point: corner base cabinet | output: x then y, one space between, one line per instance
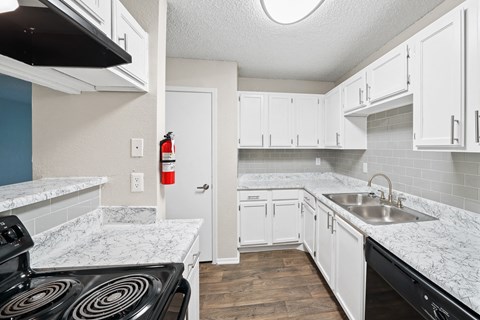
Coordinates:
268 217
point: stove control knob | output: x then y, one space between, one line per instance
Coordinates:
10 235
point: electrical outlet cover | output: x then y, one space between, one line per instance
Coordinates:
136 182
318 161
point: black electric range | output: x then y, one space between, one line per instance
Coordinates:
127 292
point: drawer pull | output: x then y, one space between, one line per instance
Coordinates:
196 257
253 197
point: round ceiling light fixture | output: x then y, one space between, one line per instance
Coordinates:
8 5
289 11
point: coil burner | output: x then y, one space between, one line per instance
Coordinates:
38 299
114 299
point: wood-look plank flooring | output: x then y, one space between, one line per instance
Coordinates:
272 285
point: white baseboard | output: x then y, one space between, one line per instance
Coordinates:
235 260
273 248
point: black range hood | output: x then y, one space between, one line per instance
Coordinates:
49 33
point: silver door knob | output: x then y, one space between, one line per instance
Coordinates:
204 187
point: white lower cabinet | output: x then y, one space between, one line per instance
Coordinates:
309 228
254 223
350 266
192 274
324 257
340 258
285 222
268 217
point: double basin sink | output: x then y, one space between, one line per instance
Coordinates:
373 210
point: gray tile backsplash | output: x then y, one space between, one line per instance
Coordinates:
47 214
450 178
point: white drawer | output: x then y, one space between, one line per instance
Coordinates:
255 195
285 194
192 258
309 199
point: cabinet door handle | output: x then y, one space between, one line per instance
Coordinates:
274 206
333 225
125 41
368 88
265 210
328 220
360 95
196 257
452 130
298 139
270 140
477 132
262 139
337 137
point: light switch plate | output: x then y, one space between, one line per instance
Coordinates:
136 148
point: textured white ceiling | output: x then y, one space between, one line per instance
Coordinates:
333 40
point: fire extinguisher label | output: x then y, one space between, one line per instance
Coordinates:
168 156
168 167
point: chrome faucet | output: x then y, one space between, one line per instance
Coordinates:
390 195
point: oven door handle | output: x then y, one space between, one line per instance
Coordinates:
184 288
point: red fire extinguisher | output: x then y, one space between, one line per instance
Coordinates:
167 159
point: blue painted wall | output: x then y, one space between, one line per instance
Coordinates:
15 130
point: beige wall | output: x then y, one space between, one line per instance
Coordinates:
89 134
222 76
279 85
433 15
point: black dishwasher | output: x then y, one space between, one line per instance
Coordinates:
395 291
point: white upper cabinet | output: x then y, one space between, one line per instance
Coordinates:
280 120
383 85
280 115
472 137
333 119
307 116
97 12
439 98
251 120
342 132
354 92
388 76
129 35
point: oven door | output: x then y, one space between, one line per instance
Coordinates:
178 306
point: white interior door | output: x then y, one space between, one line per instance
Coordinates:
189 116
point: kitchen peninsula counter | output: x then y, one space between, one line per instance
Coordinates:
115 236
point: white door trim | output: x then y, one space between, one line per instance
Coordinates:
213 92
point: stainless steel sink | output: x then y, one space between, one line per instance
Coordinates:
387 214
354 199
375 211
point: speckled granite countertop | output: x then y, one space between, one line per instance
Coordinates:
22 194
115 236
446 251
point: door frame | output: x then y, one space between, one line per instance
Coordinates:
213 92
